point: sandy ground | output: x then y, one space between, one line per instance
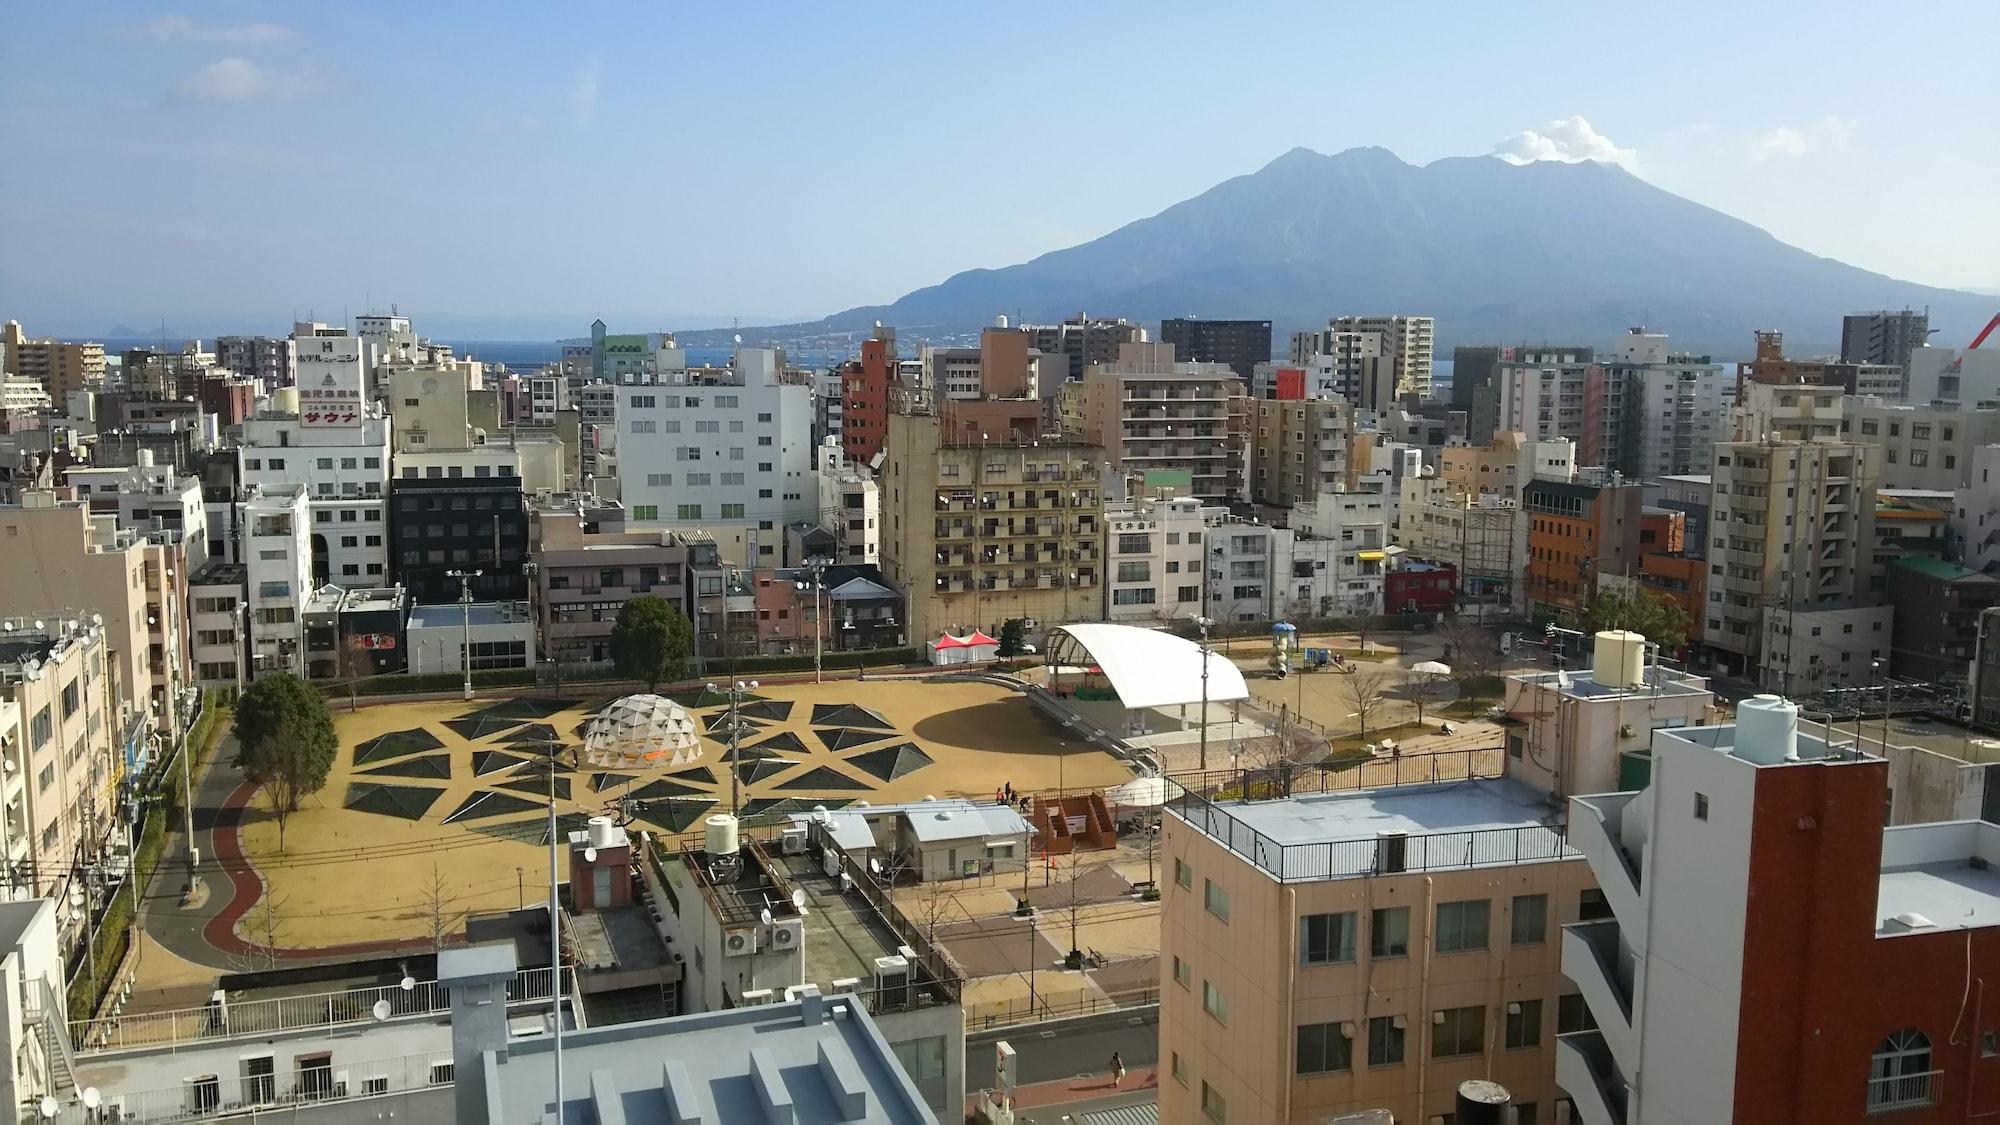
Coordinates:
348 875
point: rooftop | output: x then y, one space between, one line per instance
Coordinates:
451 615
215 572
1475 823
1654 683
1939 569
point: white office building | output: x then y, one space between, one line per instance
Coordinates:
1338 555
149 498
853 503
725 451
1153 558
1542 392
344 469
277 560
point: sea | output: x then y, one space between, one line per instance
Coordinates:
527 355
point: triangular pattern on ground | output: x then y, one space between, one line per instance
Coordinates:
406 802
824 778
847 738
776 710
486 803
673 814
891 762
848 715
493 761
538 784
396 744
433 767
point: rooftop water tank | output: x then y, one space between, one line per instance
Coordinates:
1767 730
1618 659
603 833
719 835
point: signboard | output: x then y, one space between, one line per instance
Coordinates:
329 401
385 641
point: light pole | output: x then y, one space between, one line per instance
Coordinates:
736 691
1203 623
818 586
465 578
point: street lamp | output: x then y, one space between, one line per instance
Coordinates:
1203 624
465 578
736 691
818 587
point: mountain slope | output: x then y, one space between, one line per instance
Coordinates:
1496 252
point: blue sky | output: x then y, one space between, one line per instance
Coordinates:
234 162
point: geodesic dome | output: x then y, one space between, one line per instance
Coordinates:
642 731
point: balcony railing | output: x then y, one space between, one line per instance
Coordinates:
282 1093
1903 1091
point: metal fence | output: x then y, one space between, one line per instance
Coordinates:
173 1029
1014 1011
1299 780
202 1097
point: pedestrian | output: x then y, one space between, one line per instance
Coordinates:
1117 1070
999 795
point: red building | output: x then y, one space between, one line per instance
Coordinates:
230 399
1768 953
1417 586
864 397
1291 384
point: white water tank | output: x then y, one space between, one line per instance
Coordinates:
1618 659
603 833
719 835
1767 730
285 400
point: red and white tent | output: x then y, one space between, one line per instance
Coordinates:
948 649
980 647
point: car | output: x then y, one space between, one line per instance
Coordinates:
1028 650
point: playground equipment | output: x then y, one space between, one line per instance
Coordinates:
1284 646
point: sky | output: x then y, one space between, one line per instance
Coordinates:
671 166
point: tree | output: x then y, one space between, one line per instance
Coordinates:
1426 688
651 641
1656 617
266 922
1012 632
1474 654
437 909
284 742
1368 690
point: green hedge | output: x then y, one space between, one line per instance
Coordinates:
406 683
803 662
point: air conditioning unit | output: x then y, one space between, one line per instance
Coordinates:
830 862
1391 851
892 983
758 997
794 840
788 934
739 943
800 991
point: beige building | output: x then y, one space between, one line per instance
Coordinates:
62 555
1298 449
1591 730
1501 467
977 533
1149 412
1372 949
57 734
1789 411
59 366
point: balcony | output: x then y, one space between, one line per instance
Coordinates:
1603 974
1594 829
1588 1074
1897 1092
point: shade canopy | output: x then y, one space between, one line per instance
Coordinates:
1431 668
1146 667
642 731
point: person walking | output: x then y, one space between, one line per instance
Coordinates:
1117 1070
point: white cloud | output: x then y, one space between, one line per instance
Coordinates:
1789 142
1570 141
583 95
169 29
238 80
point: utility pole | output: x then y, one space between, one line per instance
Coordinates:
465 578
1203 623
735 691
818 569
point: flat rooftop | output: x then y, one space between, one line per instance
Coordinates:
1584 685
1475 823
1952 895
450 615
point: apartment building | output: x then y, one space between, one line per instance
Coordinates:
60 725
1792 526
980 532
1475 391
1083 341
1372 949
216 625
1406 343
722 451
1650 411
345 471
1791 411
1249 566
277 561
589 563
597 424
154 500
1338 555
865 388
1542 391
130 583
1298 449
273 359
1936 630
1923 447
59 366
1356 366
1745 838
1483 537
1908 523
1883 336
1153 554
1969 375
1502 467
853 509
1834 644
1577 532
954 372
1149 411
1239 345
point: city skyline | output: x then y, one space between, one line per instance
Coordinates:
258 153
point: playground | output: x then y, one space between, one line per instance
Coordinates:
437 809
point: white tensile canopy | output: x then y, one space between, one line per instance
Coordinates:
1146 667
644 731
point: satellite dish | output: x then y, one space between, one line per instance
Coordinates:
40 624
766 916
739 337
590 855
50 1107
799 897
381 1009
409 983
92 1098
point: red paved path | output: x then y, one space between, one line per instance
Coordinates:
1063 1090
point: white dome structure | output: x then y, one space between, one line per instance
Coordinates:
644 731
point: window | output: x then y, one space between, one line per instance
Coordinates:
1461 926
923 1061
1701 806
1389 932
687 511
1183 973
1385 1041
1524 1024
644 426
260 1079
315 1078
1326 939
732 511
1572 1014
1213 1003
441 1073
645 511
1591 906
1215 899
1212 1105
1179 1068
1458 1031
1183 874
1323 1048
1531 919
1899 1076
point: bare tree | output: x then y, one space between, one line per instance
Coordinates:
436 908
1368 691
1067 902
354 662
1426 688
1474 653
267 924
